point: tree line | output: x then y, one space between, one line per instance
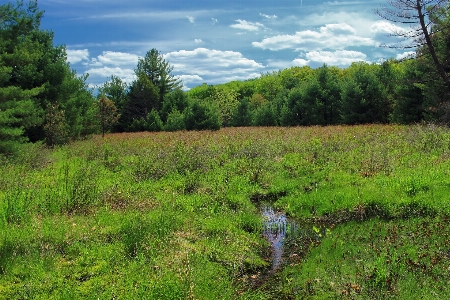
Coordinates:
43 99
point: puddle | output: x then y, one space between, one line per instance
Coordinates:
275 225
282 231
290 240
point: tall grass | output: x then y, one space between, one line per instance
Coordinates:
169 215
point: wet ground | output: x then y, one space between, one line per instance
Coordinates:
289 242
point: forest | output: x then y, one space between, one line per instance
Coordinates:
43 100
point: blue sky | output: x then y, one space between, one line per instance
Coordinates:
212 41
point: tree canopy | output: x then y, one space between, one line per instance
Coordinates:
43 99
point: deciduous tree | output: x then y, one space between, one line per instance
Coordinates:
107 114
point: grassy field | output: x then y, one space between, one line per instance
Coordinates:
175 215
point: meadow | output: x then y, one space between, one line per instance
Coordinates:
175 215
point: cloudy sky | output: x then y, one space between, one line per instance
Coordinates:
216 41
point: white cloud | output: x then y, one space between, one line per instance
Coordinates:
112 58
337 29
214 65
360 21
267 16
334 3
330 36
408 54
386 28
190 80
214 21
76 56
300 62
245 25
276 64
335 58
198 41
100 74
191 19
109 63
210 58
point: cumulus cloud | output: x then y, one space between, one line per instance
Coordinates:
214 21
198 41
100 74
335 58
300 62
213 65
191 19
245 25
386 28
112 58
76 56
407 54
190 80
109 63
330 36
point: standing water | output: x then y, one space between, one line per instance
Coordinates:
277 228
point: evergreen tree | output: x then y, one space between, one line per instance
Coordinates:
242 116
175 121
329 96
265 116
142 99
176 100
159 73
201 116
35 76
363 98
409 104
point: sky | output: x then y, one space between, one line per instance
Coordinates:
217 41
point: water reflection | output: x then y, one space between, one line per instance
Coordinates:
275 225
278 228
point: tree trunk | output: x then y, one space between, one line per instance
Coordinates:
438 65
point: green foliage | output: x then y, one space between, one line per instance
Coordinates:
268 85
363 97
154 122
175 100
106 113
55 126
200 92
158 71
172 214
294 76
143 98
150 123
242 115
227 101
34 74
116 90
409 106
265 115
201 116
175 121
18 112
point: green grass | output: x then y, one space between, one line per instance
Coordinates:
175 216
